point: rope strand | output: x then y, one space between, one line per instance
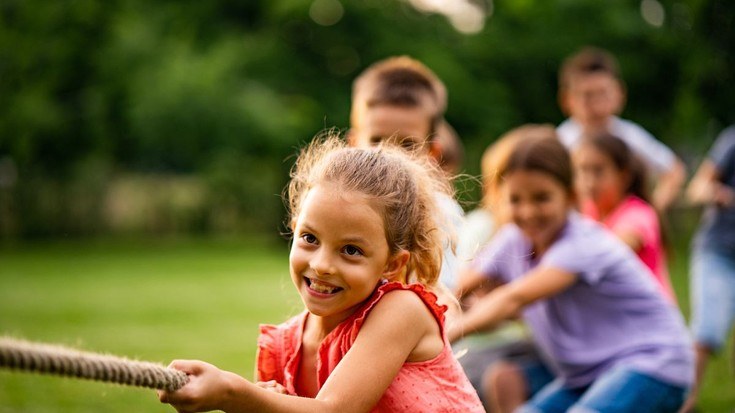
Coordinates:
52 359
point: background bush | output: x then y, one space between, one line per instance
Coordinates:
213 97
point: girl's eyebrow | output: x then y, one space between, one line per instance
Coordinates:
355 240
307 228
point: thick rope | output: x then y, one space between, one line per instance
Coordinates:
62 361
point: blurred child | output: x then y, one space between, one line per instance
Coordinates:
614 341
592 94
509 344
397 98
611 183
400 100
363 221
481 223
713 254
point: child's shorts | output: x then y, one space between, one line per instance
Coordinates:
713 296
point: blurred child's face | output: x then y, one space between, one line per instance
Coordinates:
339 252
593 98
538 205
407 126
597 178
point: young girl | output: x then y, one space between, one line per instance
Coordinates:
611 183
509 343
614 341
364 221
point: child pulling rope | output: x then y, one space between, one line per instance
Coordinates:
62 361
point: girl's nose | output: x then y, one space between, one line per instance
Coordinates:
321 262
526 211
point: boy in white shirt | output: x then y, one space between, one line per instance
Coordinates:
592 94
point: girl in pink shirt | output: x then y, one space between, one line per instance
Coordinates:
611 184
364 222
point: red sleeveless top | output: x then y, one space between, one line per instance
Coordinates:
436 385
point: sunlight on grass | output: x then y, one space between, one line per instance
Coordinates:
158 300
153 300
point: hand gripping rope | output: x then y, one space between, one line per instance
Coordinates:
62 361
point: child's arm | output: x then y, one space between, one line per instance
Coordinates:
631 238
705 187
668 186
384 343
469 280
507 300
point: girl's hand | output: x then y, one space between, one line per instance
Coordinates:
273 386
205 391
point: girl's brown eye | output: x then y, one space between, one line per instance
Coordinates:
352 250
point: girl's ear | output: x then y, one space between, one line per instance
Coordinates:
626 176
562 99
573 198
395 268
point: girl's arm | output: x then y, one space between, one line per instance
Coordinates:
669 186
469 280
507 300
632 239
384 343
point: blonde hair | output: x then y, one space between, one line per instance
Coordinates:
400 185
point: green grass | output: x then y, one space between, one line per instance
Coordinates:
151 300
163 299
718 390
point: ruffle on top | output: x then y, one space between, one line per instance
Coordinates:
278 351
436 385
429 299
279 345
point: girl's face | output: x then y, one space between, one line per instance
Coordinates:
598 179
539 205
339 252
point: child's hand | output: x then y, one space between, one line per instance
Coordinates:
273 386
205 390
724 196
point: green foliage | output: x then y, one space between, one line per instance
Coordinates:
178 87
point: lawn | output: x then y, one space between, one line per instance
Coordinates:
151 300
162 299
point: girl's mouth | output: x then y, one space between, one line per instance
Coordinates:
320 287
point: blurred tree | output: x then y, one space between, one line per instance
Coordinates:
91 91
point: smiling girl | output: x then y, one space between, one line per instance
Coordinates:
615 343
611 182
364 222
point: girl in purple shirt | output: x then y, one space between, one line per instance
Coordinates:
614 341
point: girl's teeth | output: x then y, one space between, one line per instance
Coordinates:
318 287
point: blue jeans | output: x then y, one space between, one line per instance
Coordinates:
713 296
536 375
619 390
